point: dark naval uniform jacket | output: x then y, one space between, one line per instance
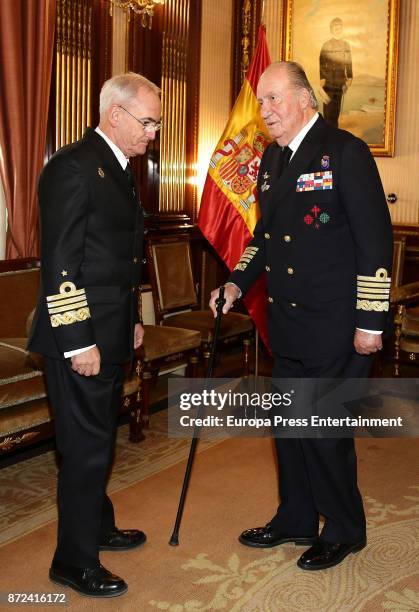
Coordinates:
92 234
325 241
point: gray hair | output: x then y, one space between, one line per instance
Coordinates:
298 79
121 88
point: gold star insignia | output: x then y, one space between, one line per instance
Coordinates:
64 273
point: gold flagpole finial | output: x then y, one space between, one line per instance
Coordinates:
262 15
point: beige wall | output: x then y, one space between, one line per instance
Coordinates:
215 80
119 40
399 174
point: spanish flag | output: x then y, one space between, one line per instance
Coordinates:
229 208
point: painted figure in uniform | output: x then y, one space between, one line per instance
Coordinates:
325 241
87 323
335 71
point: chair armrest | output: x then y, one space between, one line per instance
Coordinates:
405 293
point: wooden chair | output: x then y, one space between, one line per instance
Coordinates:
406 325
406 313
399 252
25 414
164 349
399 249
176 301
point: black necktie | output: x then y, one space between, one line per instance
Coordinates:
285 159
130 177
128 172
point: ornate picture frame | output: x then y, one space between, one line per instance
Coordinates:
349 51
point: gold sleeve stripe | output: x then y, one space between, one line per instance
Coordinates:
246 258
373 290
65 294
69 306
372 281
365 284
367 296
67 302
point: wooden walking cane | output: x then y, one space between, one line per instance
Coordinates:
174 540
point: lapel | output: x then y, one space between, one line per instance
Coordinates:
109 162
307 150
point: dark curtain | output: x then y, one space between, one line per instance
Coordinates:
26 52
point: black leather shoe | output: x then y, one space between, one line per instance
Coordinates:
266 537
327 554
96 582
122 539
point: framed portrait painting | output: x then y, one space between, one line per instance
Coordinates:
349 52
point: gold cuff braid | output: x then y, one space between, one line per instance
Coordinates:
68 306
246 258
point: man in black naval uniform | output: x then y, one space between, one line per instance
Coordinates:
86 323
335 71
325 241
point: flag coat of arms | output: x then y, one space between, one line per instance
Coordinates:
229 208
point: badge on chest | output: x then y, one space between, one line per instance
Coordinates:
315 181
316 217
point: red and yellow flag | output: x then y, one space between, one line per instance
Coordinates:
229 208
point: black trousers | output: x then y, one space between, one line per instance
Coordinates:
319 475
332 110
85 411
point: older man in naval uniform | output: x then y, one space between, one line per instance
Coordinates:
87 322
325 241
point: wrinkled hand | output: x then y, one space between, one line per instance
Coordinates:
231 293
366 343
138 335
87 363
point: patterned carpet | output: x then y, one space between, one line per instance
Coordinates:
27 489
385 577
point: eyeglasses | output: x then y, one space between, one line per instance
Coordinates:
148 125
